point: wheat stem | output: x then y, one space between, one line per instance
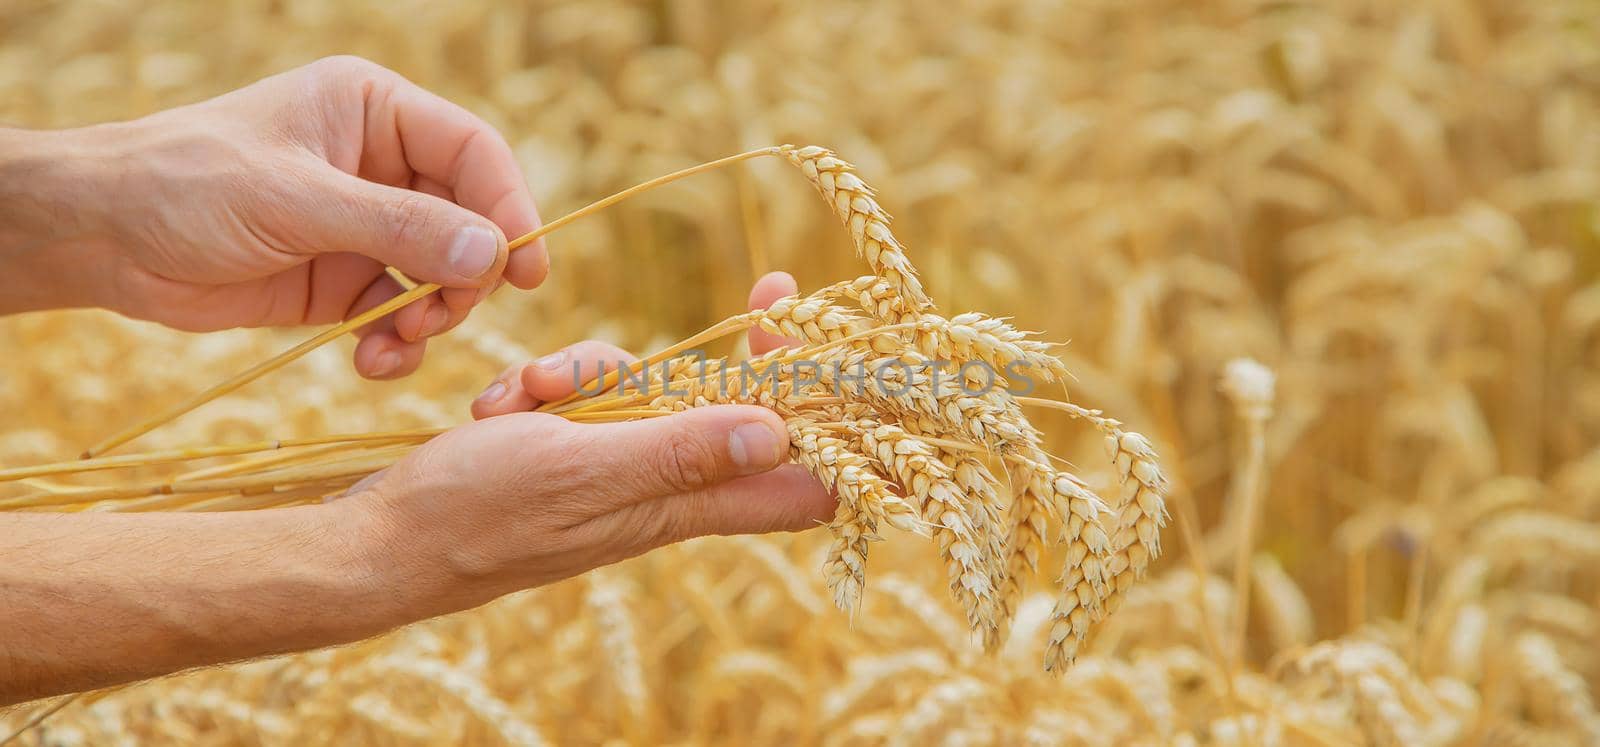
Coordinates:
145 459
385 308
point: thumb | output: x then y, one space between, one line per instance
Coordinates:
426 237
681 453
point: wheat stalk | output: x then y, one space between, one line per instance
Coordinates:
1250 385
908 448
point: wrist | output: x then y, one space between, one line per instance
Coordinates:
415 570
51 245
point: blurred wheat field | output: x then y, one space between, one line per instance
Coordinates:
1394 206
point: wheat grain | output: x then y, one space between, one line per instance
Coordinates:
851 475
966 554
1088 570
852 200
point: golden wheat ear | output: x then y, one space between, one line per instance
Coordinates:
900 452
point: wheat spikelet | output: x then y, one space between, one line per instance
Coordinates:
771 559
1386 700
1288 615
972 336
944 508
1142 513
758 666
851 475
903 385
1024 540
386 717
813 320
845 568
852 200
871 293
1529 536
1086 573
982 489
1554 691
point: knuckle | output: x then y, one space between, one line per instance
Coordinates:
687 462
407 220
342 66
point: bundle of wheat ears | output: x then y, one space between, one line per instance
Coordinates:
867 415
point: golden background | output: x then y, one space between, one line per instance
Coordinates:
1394 205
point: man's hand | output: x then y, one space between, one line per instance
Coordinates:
493 507
526 499
513 501
527 385
276 204
538 498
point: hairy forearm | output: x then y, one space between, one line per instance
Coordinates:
51 183
92 600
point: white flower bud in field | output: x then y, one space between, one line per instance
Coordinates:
1251 387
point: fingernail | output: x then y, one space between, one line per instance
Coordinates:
753 447
386 363
434 319
473 251
493 394
552 362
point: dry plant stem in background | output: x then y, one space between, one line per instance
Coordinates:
1250 386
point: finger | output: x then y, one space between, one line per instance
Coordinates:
504 395
420 319
456 150
771 287
382 353
625 463
787 499
425 237
423 318
445 310
559 374
422 183
332 282
527 385
459 302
